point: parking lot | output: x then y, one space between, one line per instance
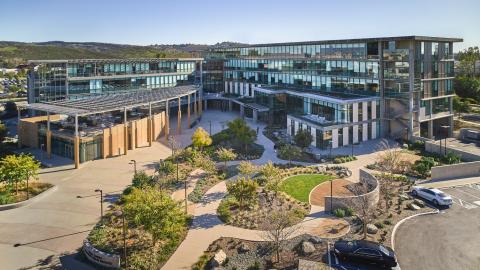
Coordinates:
448 240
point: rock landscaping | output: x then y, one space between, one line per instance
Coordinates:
243 254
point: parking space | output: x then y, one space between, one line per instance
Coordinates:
449 240
464 197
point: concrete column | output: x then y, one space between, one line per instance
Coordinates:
199 105
374 130
133 128
289 126
242 111
355 134
49 137
355 112
236 88
364 132
125 132
226 87
374 109
195 104
76 145
230 105
335 138
188 111
313 131
167 121
179 117
295 127
255 116
430 129
242 93
451 123
205 104
345 136
364 111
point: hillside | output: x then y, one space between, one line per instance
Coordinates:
15 53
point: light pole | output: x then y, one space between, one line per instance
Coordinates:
120 213
210 122
330 145
134 162
101 203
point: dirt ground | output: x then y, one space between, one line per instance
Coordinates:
323 190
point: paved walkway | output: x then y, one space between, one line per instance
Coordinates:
207 227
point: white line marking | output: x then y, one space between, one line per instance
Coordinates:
464 192
477 202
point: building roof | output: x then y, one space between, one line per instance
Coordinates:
112 102
355 40
113 60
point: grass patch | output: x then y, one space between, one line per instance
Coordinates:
299 186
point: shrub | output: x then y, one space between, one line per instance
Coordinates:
141 180
6 198
387 222
349 211
223 209
423 166
343 159
339 213
451 158
244 190
379 225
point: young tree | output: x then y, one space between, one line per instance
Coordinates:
388 157
225 154
303 138
242 133
289 152
15 169
280 229
244 190
156 212
363 207
272 176
247 168
386 181
201 138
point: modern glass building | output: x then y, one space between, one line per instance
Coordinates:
342 91
51 80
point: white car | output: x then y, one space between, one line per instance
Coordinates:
434 195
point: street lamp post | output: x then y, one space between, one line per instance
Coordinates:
330 144
101 203
134 162
124 229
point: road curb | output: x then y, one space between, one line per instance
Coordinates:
29 201
392 240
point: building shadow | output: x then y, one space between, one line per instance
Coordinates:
205 221
211 197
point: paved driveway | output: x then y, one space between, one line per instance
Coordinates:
449 240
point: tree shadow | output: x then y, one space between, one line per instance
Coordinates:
205 221
211 197
112 197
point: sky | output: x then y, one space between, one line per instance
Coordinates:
145 22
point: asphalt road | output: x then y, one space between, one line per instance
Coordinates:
449 240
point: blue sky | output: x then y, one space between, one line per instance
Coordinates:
146 22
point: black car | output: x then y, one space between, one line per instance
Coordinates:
365 251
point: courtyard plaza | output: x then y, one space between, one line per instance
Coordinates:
50 231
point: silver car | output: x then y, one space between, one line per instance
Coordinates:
436 196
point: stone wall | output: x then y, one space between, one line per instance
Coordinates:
372 197
455 171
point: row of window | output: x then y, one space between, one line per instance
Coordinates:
86 70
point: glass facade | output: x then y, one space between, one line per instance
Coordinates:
72 79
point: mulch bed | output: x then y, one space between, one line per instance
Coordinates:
340 188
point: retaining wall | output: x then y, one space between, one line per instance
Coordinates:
435 148
372 197
454 171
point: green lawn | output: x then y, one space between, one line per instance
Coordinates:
299 186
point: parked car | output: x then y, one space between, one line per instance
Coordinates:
433 195
366 252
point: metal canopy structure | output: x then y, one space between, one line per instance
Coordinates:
113 102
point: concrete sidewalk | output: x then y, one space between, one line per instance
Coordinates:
452 182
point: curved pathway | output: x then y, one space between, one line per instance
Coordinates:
207 227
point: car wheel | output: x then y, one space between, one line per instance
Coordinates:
435 202
414 193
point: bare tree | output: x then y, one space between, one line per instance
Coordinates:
280 227
387 185
388 157
364 208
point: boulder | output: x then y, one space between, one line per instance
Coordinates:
243 248
404 197
218 259
316 240
419 202
413 207
372 229
307 248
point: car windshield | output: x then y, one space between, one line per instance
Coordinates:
384 250
443 195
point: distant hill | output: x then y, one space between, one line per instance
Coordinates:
14 53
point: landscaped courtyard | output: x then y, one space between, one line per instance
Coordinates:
300 186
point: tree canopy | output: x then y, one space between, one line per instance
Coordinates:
201 138
242 133
303 138
16 169
225 154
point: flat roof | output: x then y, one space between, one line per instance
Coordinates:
355 40
113 60
112 102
